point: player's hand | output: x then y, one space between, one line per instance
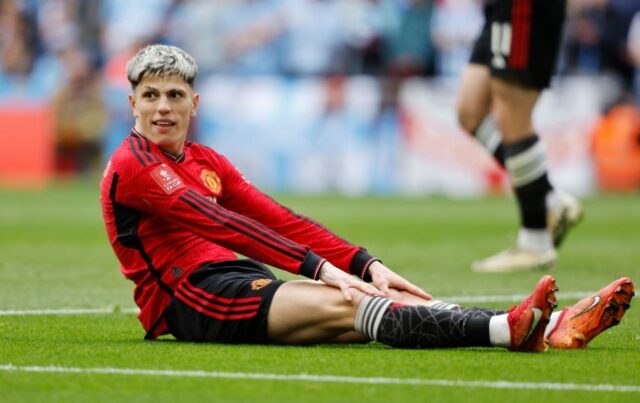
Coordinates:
335 277
384 278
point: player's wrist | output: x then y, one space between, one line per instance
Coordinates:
311 265
374 267
360 264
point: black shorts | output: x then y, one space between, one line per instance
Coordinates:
224 302
520 40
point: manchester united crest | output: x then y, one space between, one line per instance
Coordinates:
211 181
260 283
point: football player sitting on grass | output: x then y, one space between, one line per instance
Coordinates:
176 212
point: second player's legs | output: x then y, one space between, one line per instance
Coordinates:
474 98
525 158
513 108
474 109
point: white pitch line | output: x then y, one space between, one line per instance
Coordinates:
327 378
66 311
464 299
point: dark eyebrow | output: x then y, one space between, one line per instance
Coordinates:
176 89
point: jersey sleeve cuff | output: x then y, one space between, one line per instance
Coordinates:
310 266
360 264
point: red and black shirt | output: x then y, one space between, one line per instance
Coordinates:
166 217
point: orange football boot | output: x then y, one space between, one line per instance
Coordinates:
590 316
528 321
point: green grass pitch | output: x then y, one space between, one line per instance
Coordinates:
54 255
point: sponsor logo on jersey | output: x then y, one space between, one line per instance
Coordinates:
166 178
212 181
260 283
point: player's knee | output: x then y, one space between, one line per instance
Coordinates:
334 317
470 115
469 118
356 296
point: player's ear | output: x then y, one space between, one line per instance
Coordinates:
194 104
132 102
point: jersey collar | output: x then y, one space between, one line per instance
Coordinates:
172 157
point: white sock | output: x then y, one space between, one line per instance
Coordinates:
534 240
369 315
552 323
488 134
553 200
499 333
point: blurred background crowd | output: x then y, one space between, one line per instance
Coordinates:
358 84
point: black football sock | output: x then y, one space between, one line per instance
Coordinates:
482 312
526 163
419 326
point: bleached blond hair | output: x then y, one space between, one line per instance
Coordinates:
161 60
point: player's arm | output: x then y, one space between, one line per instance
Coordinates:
252 239
245 198
241 196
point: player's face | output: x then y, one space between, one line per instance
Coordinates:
163 107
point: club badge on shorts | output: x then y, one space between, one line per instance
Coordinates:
260 283
212 181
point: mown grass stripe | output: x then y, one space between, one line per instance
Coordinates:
326 378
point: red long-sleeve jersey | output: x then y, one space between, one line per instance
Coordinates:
166 217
